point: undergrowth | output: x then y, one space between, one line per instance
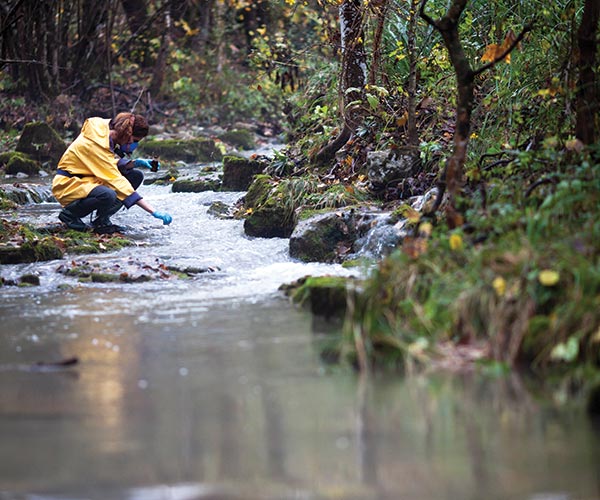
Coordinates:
521 279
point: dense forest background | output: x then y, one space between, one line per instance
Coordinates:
499 101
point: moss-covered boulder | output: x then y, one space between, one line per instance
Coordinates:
40 141
48 248
14 163
197 150
239 138
323 237
270 214
322 295
239 172
196 186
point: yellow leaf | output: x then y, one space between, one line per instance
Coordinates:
249 211
456 241
548 277
499 285
403 120
491 51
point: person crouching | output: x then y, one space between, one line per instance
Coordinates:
91 177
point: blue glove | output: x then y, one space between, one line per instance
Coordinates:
165 217
153 165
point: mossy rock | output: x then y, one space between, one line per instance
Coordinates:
31 251
20 163
190 151
220 210
239 138
196 186
320 238
239 172
258 191
269 215
40 141
322 295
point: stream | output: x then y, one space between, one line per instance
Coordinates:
212 388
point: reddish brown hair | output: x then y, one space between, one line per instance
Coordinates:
128 125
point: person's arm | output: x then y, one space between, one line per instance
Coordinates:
165 217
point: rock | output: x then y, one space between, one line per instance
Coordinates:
387 167
196 186
197 150
30 279
31 251
239 138
323 237
323 295
220 210
239 172
20 163
268 214
40 141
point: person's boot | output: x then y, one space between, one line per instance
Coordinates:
71 220
102 224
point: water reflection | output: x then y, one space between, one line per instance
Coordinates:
213 388
215 409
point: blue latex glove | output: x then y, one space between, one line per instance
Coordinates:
165 217
153 165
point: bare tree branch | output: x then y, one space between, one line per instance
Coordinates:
426 17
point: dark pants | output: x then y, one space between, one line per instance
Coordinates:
104 199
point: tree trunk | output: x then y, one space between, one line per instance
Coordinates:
380 8
587 92
448 28
136 13
352 79
413 17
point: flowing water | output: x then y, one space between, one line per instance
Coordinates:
212 388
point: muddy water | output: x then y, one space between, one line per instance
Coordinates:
213 388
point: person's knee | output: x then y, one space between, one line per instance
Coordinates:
105 197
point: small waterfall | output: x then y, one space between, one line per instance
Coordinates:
24 194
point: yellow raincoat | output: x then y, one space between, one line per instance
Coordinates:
89 162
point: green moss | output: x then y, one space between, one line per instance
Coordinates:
190 151
20 163
196 186
239 172
323 295
258 191
32 249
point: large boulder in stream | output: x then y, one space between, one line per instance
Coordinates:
268 212
324 237
239 172
198 150
41 142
